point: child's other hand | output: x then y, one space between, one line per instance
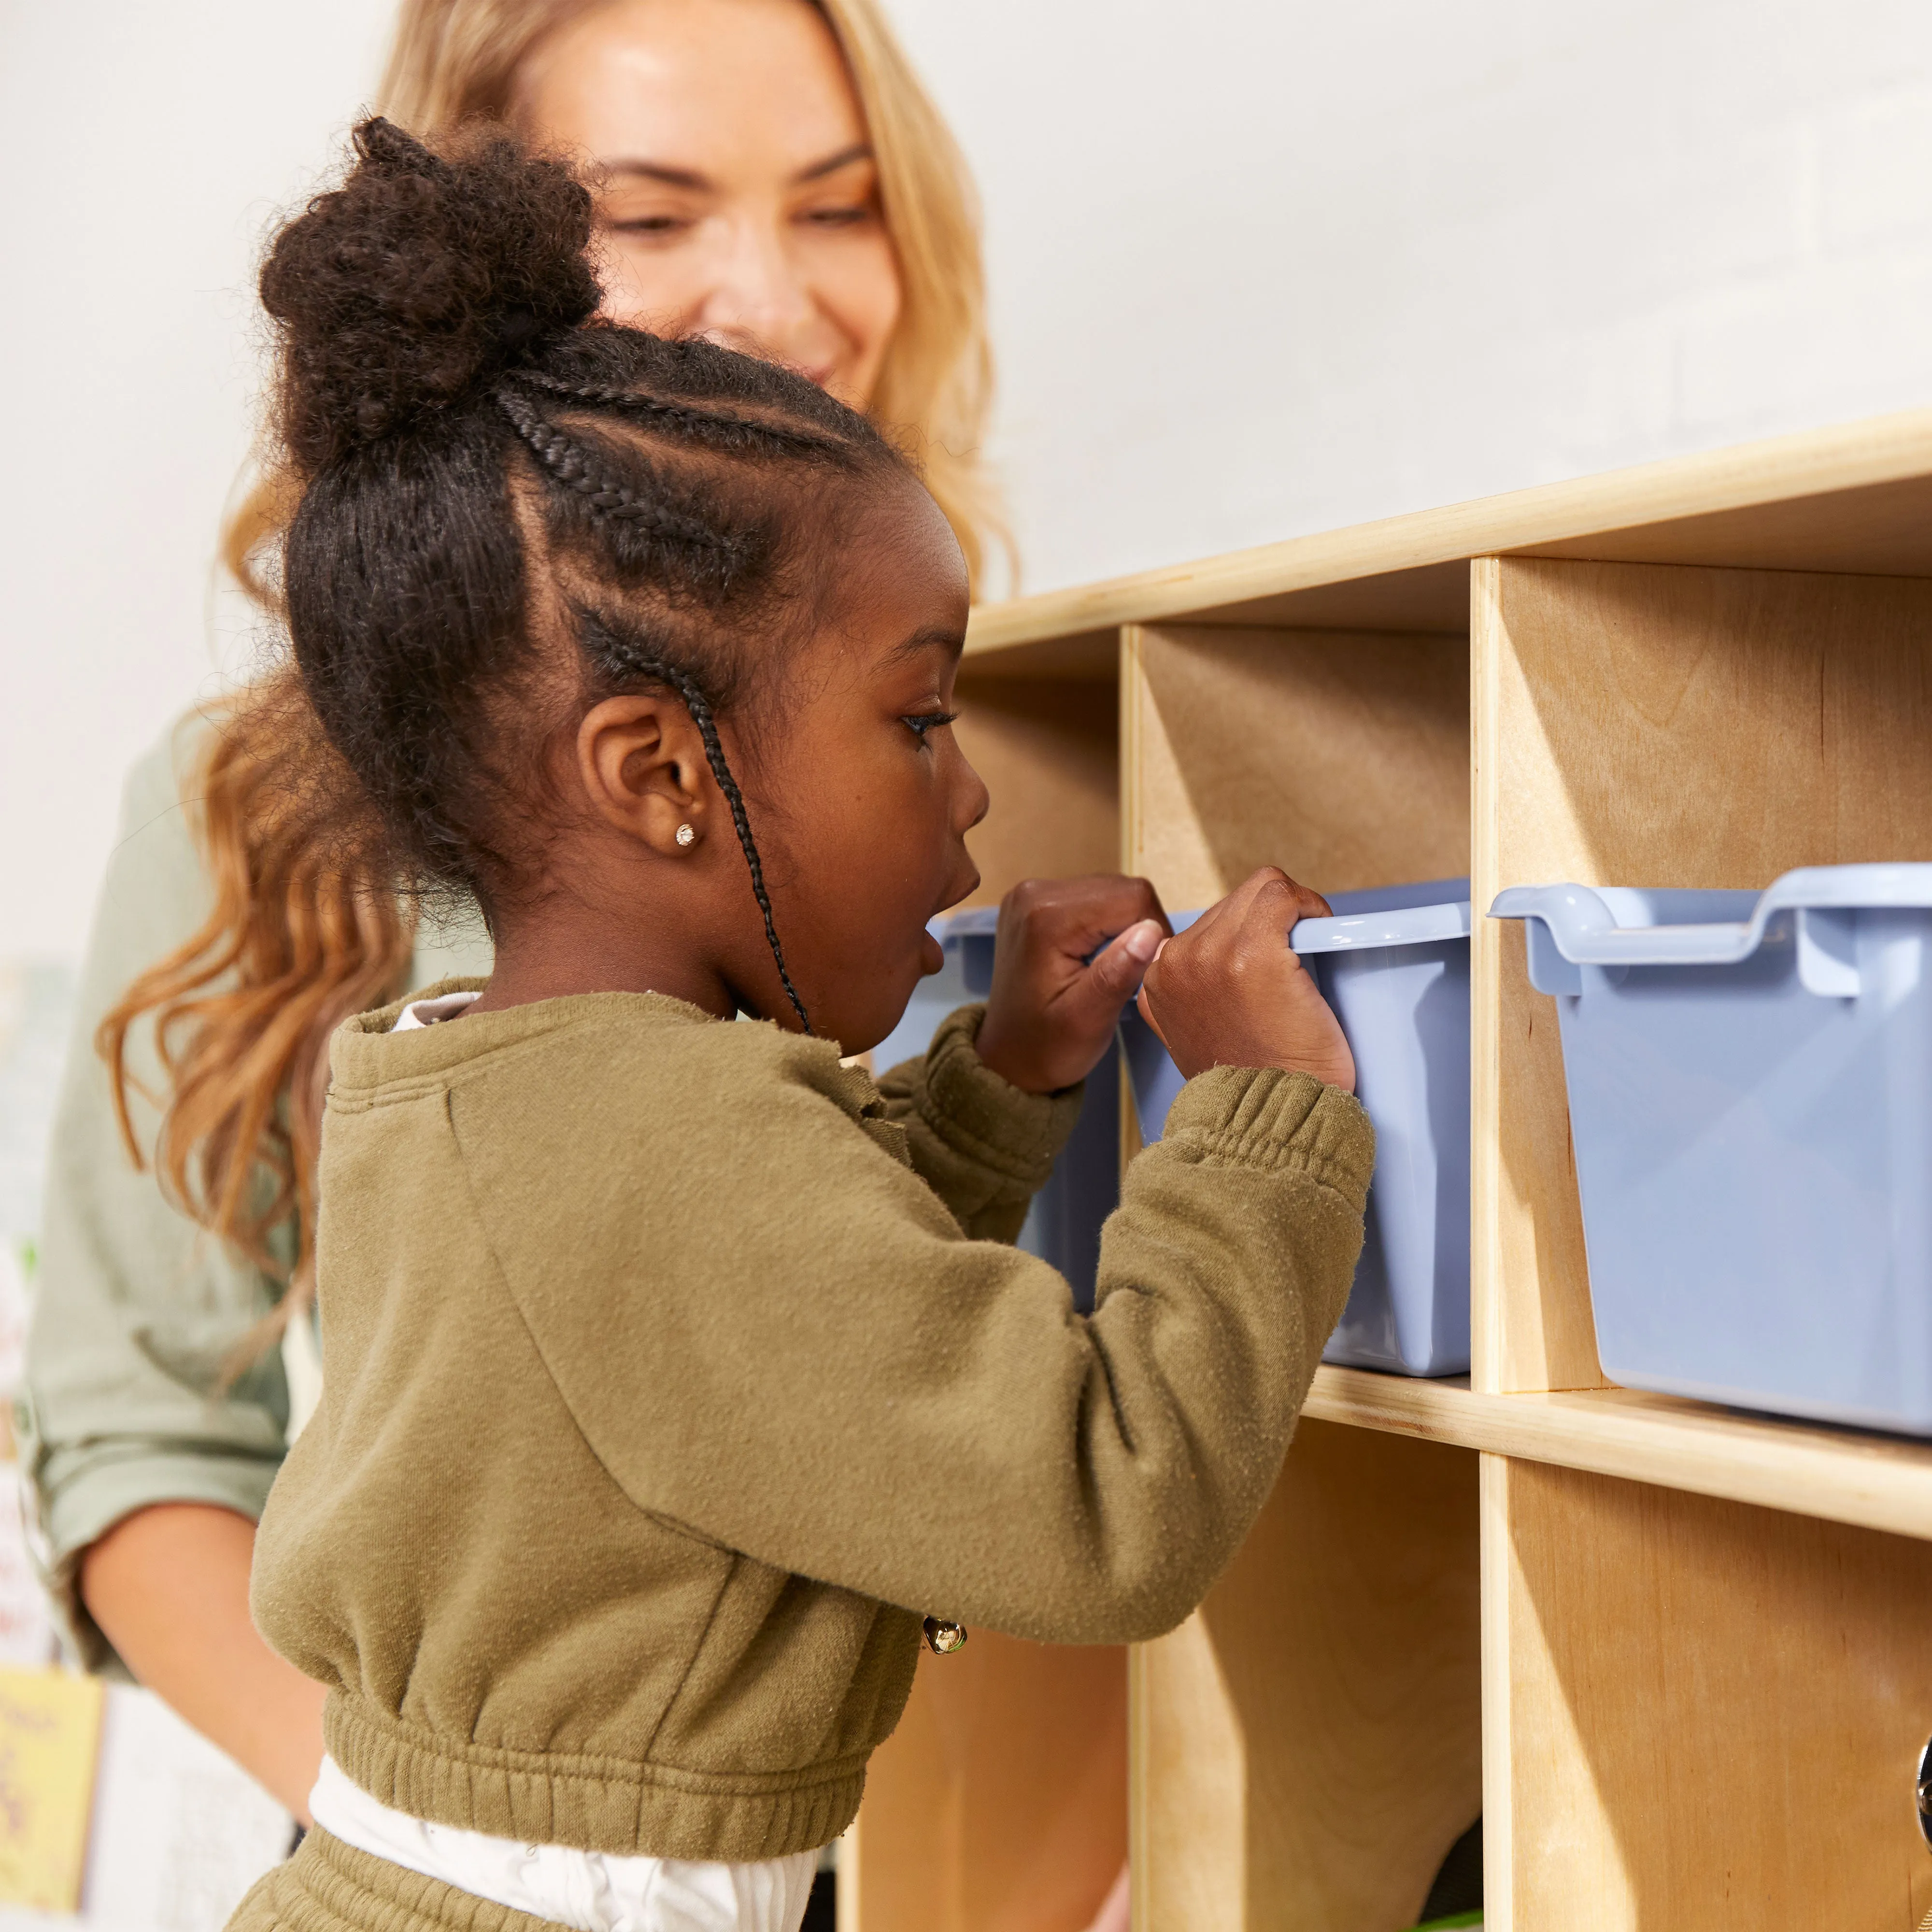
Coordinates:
1051 1015
1230 992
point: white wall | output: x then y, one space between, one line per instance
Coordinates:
1260 266
144 149
1264 268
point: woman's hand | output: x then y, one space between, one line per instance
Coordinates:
1052 1012
1230 991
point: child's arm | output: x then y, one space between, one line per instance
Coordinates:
982 1145
815 1368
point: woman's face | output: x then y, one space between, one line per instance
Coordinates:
740 199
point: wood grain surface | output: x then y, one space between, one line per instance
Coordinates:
1308 1746
1702 1716
1049 751
1853 498
1342 757
999 1804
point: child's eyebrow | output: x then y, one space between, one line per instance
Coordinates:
930 636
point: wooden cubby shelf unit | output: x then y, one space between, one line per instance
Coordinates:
1673 1655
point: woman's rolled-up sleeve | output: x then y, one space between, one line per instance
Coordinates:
124 1404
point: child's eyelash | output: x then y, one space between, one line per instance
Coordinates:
920 722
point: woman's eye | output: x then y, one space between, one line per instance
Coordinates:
920 722
648 224
838 217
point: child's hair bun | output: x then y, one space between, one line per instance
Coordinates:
427 274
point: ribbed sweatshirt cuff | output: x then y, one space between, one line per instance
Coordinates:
1276 1121
988 1120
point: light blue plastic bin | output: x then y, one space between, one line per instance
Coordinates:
1063 1226
1394 964
1750 1099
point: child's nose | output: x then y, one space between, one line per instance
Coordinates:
974 799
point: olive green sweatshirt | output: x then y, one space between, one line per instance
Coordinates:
673 1372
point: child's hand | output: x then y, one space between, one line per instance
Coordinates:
1229 991
1051 1015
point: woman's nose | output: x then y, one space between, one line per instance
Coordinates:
758 300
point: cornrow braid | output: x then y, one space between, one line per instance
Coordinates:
716 429
575 465
620 658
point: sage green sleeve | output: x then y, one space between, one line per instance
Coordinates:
134 1307
983 1147
784 1341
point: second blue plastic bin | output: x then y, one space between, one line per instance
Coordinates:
1751 1101
1394 964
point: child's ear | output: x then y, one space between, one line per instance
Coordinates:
642 766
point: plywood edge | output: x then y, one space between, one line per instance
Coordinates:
1499 1743
1133 697
1814 463
1139 1787
1486 1337
1840 1475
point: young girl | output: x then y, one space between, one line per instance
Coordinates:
676 1376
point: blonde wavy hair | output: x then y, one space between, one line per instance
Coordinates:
302 934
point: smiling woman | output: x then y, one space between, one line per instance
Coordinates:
750 212
773 174
768 174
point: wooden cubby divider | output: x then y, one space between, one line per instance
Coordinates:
1675 1653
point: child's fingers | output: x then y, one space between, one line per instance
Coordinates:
1147 1013
1073 916
1108 903
1118 970
1309 903
1229 914
1263 880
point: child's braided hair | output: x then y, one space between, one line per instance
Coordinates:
474 451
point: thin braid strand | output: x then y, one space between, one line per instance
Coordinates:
614 652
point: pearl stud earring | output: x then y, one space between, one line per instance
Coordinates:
686 835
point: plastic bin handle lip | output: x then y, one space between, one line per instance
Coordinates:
1347 932
1357 932
1586 932
970 924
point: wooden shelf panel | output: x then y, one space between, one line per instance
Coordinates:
1841 1475
1698 1716
1308 1745
1855 498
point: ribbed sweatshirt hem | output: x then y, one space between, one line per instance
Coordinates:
596 1803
